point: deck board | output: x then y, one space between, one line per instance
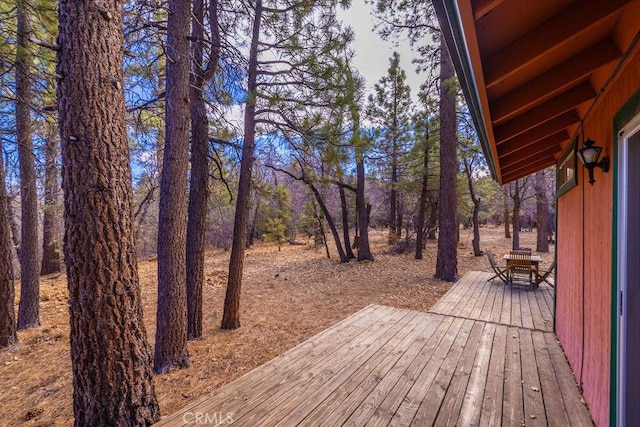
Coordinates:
468 361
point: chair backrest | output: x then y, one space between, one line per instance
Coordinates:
520 259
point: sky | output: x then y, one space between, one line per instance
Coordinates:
373 53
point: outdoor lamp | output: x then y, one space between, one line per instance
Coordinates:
589 157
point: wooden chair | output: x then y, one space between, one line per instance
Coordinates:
500 272
521 268
543 277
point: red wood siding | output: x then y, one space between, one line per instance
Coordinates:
590 240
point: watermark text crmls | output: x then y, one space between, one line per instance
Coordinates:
207 418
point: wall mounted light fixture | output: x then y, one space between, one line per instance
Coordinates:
589 156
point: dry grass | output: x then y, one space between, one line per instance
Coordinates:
287 297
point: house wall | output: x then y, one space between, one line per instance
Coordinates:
584 246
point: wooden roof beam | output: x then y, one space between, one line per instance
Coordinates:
554 81
568 24
483 7
527 169
539 132
560 104
550 145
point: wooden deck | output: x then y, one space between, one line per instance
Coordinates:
482 356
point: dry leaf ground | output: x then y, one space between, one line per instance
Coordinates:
287 297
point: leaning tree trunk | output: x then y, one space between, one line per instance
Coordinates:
28 308
198 191
50 245
231 313
171 330
542 208
7 292
110 357
330 222
446 262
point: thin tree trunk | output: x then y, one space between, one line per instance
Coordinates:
321 229
476 208
422 209
364 250
28 308
13 224
446 262
50 245
231 313
110 356
171 330
515 218
345 223
7 291
505 215
198 190
542 208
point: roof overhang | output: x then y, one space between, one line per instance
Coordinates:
531 70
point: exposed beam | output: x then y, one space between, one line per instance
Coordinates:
527 170
539 132
568 24
549 145
482 7
547 111
554 81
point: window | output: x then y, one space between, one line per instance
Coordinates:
566 169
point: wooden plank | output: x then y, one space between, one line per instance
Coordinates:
372 413
467 306
539 322
456 392
525 310
345 407
480 301
406 411
533 402
553 400
512 408
516 310
339 397
474 394
507 301
491 414
496 311
485 314
576 412
314 348
433 398
287 370
321 376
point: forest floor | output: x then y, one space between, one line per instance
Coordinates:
287 297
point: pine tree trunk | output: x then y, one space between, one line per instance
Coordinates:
231 313
505 214
50 245
198 190
422 209
476 228
364 250
7 292
28 308
110 356
447 263
171 330
542 211
345 224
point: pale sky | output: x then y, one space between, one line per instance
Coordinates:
373 53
